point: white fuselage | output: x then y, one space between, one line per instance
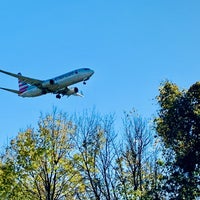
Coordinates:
58 83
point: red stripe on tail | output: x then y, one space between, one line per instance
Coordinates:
23 86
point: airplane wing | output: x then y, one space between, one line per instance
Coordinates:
28 80
10 90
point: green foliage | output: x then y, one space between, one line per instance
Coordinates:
40 161
9 187
80 158
178 125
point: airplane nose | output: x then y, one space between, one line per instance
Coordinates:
91 72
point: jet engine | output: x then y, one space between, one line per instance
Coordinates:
72 91
52 82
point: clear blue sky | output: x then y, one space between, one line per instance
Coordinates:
131 45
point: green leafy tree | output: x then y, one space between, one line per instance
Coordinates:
178 125
9 187
38 162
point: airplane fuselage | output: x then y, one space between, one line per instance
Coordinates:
58 83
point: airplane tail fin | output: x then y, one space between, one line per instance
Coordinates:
23 86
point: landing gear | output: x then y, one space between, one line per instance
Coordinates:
58 96
84 83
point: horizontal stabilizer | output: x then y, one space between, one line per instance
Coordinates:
10 90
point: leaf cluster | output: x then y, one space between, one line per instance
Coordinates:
178 124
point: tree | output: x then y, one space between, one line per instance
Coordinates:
135 165
39 164
178 124
9 187
81 157
94 138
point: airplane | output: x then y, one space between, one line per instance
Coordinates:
30 87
